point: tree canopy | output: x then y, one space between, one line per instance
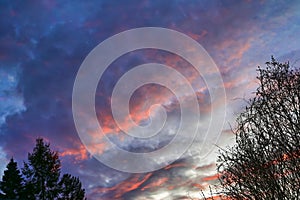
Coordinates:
42 171
71 188
40 178
265 162
11 184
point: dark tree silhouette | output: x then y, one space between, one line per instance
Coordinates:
71 188
265 162
42 172
11 184
41 178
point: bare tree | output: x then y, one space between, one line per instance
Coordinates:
265 162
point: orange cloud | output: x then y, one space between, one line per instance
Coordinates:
237 50
139 109
198 37
238 54
132 184
219 197
205 167
79 153
125 186
199 186
155 183
175 165
152 94
211 178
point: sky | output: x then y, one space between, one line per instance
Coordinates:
43 44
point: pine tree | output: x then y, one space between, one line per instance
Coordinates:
11 184
71 188
42 172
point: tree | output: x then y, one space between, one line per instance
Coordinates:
42 172
11 184
265 162
41 178
70 188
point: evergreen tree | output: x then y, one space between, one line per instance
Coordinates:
41 178
42 172
11 184
71 188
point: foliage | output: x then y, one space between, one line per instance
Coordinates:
71 188
11 184
40 178
42 171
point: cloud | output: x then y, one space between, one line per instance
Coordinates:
117 191
43 44
78 153
11 100
3 161
183 178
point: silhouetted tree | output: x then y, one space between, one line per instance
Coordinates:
265 162
42 172
70 188
41 178
11 184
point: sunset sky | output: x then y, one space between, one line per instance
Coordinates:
43 43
